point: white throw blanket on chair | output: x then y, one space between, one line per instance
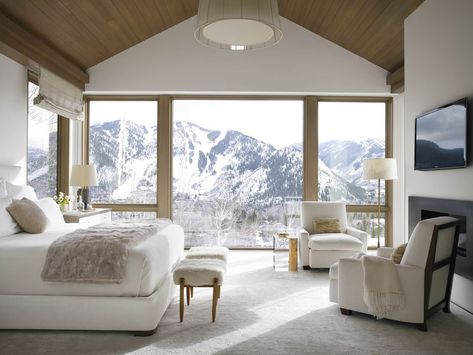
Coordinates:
382 288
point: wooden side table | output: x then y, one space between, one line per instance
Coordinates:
293 241
293 255
95 216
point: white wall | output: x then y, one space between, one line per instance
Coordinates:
302 63
438 69
13 114
174 62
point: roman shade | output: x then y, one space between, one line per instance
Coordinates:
59 96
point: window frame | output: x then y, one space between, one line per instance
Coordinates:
163 207
124 207
62 142
311 148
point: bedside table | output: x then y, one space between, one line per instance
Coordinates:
95 216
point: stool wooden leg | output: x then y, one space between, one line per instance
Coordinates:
188 295
192 291
214 299
181 300
219 287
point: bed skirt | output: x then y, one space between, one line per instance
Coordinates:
135 314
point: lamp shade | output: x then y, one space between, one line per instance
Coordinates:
380 168
238 24
83 175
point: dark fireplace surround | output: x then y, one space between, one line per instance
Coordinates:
426 207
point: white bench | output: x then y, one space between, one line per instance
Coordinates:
208 253
202 267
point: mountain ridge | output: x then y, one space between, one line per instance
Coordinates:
214 164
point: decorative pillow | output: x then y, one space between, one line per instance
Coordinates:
8 225
3 189
398 253
52 211
28 215
326 225
17 192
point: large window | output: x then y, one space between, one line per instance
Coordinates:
42 147
350 132
231 169
237 169
123 148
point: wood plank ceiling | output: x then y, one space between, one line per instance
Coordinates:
87 32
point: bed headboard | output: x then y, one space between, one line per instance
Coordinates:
11 173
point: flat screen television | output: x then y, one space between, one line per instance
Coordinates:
442 137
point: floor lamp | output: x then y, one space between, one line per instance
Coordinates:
379 169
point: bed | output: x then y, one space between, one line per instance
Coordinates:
136 304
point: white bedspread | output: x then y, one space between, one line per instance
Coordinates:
22 258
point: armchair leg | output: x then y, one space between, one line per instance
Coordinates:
306 267
346 312
422 327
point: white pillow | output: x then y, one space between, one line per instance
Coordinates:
8 226
3 188
17 192
52 211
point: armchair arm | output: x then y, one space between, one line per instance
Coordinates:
350 290
363 236
350 284
385 252
304 247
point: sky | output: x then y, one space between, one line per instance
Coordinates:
41 122
268 120
278 123
351 120
140 112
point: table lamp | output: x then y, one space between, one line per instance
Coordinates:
379 169
83 176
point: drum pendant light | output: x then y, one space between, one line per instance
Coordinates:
238 24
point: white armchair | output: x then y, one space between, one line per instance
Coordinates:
323 249
425 272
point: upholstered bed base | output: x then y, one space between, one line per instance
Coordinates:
140 315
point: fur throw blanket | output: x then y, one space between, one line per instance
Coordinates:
382 289
98 254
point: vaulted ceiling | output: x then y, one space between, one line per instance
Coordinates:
86 32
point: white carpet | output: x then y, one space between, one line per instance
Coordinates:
261 311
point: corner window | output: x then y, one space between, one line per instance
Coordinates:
42 147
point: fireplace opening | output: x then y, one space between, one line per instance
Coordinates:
462 237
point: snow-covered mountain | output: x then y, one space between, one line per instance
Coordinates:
124 154
215 164
345 158
42 168
211 165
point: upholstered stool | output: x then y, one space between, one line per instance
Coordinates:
199 273
208 253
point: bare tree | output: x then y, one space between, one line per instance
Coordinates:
223 217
